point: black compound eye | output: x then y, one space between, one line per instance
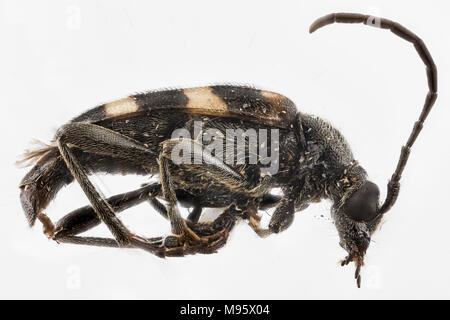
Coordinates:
363 204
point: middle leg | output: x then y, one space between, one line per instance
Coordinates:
212 169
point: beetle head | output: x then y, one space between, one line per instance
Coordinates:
356 218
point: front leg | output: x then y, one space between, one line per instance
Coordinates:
283 215
280 221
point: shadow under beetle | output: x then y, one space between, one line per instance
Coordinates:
133 136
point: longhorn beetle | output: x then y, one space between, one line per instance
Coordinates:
134 135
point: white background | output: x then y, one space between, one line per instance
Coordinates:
59 58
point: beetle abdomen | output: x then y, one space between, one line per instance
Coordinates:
41 184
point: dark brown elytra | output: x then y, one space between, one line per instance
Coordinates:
133 136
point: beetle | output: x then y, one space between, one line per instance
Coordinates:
134 135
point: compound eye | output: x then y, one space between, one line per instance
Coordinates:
363 204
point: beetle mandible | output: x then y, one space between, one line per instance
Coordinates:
134 136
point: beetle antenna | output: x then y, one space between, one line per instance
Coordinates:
393 186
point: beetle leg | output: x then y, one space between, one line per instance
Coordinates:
177 222
254 220
96 139
283 215
158 206
66 230
280 221
61 234
211 168
269 201
135 242
195 214
85 218
171 246
100 205
216 232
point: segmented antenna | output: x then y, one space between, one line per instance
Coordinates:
393 186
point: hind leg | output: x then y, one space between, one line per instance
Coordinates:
216 232
96 139
85 218
67 229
